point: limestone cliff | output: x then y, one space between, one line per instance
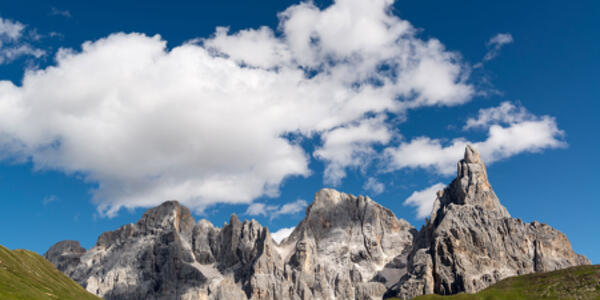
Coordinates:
346 247
471 242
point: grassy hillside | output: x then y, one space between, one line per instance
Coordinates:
26 275
581 282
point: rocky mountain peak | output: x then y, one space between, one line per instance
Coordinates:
346 247
471 241
472 169
326 199
472 155
65 254
470 187
169 215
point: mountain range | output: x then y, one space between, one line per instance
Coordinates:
346 247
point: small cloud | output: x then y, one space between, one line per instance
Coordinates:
496 43
374 186
8 54
351 146
59 12
49 199
424 199
15 41
282 233
55 34
511 130
274 211
11 30
505 113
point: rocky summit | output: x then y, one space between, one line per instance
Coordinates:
346 247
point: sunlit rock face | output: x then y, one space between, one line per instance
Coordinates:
336 252
343 244
471 242
346 247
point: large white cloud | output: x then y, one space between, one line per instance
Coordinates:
205 122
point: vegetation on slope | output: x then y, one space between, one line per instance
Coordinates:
26 275
582 282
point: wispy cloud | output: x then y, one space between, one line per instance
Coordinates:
11 30
15 41
275 211
49 199
496 43
374 186
59 12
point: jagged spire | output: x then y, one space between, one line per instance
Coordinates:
472 167
471 186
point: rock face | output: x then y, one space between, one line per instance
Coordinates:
471 242
333 254
342 245
347 247
65 255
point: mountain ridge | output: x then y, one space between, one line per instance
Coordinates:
346 247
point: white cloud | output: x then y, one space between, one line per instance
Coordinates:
423 199
205 122
501 39
259 209
374 186
60 12
13 43
281 234
505 113
524 133
426 153
10 29
49 199
496 43
275 211
8 54
351 146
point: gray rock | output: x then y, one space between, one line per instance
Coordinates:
346 247
65 255
471 242
343 244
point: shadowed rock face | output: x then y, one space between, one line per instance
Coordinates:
347 247
65 255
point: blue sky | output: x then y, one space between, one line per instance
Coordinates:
255 122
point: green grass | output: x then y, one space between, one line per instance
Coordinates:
581 282
26 275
